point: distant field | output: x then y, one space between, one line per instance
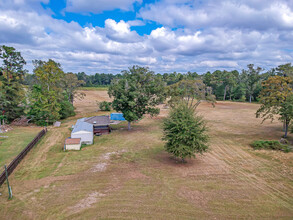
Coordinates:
89 103
127 174
99 88
17 140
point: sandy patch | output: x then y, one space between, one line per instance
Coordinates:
99 167
87 202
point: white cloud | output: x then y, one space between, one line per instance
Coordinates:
234 14
98 6
120 31
218 63
194 36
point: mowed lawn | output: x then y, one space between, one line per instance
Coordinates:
127 174
14 142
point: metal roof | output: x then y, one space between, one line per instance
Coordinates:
98 120
72 141
81 125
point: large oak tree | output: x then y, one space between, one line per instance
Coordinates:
137 93
276 100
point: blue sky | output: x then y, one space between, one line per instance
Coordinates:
165 35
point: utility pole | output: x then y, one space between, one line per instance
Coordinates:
9 188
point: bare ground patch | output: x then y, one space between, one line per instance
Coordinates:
87 202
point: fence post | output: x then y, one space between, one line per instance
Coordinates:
9 188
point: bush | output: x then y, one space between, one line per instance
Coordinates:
185 133
105 106
271 145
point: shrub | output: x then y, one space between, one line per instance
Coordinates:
105 106
272 145
185 133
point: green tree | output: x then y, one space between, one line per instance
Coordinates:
137 93
47 95
41 110
105 106
207 79
229 82
285 70
193 92
66 107
286 113
253 79
11 75
276 100
70 84
222 82
184 132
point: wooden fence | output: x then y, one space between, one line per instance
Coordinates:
22 154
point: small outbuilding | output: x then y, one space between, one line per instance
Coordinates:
84 131
72 144
101 124
57 124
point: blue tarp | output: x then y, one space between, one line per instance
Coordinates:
117 117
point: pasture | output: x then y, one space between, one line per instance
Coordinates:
128 175
16 141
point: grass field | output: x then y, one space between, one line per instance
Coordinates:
98 88
17 140
127 174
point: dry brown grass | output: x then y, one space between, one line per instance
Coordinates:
127 175
89 103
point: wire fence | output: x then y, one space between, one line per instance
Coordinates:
22 154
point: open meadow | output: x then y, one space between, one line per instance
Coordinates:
128 175
13 142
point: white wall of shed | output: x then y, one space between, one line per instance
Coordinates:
72 146
86 138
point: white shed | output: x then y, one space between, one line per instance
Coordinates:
72 144
84 131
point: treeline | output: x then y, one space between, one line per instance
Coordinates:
226 85
48 97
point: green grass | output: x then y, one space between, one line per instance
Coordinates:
98 88
271 145
17 140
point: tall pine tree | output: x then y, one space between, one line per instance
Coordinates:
11 90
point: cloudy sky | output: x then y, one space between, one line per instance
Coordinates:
166 35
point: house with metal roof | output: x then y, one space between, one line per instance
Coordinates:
84 131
